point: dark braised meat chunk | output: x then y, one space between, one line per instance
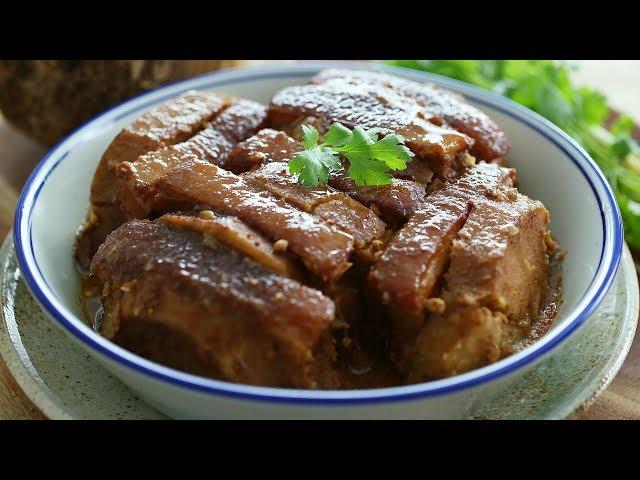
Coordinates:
235 234
364 106
411 265
441 107
144 151
410 270
332 206
493 291
171 123
137 192
211 311
267 145
394 203
324 250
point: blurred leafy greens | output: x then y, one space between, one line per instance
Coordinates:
545 87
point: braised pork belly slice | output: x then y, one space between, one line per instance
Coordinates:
324 250
332 206
213 144
356 105
412 263
499 259
173 299
275 178
441 107
394 203
266 146
240 121
267 153
410 269
172 122
493 291
237 235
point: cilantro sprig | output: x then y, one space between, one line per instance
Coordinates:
370 158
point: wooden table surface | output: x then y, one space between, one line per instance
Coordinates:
618 79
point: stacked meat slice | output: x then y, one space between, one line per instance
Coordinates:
197 125
213 259
175 299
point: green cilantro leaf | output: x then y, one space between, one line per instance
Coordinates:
368 171
310 136
315 162
369 158
364 148
337 136
392 151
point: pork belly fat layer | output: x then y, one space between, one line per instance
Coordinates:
354 105
440 106
323 250
246 324
499 259
137 190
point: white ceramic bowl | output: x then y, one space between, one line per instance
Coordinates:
551 168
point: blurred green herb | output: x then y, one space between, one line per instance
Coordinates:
545 86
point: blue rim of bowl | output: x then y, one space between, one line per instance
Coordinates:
604 274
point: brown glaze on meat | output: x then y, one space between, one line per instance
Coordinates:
241 322
499 259
173 122
358 105
138 192
323 250
494 292
334 207
267 145
236 235
394 203
441 107
410 269
248 276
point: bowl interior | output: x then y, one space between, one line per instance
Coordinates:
545 168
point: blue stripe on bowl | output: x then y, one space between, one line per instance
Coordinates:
607 266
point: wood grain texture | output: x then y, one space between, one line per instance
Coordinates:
18 155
